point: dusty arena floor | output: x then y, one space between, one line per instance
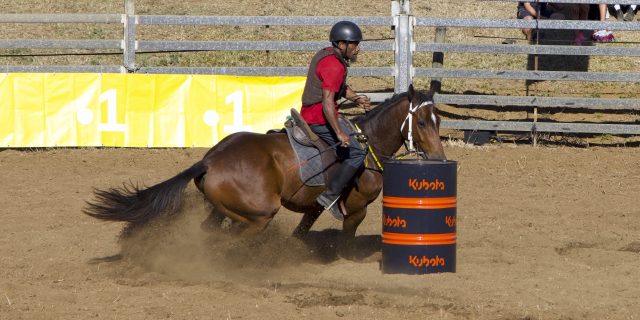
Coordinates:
543 233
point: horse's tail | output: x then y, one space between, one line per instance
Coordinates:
136 204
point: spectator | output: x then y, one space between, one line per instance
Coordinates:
534 10
603 35
579 12
631 12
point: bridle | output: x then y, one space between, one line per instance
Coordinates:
409 120
410 147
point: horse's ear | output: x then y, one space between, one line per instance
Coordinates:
433 89
411 92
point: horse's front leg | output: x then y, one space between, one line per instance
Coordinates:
346 245
306 223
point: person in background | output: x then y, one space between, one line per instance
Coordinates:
579 11
535 10
603 35
621 16
530 11
325 85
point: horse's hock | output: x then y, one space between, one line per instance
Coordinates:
419 216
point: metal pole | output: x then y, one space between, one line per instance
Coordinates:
534 132
400 7
403 24
129 43
438 59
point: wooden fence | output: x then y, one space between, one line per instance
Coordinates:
403 48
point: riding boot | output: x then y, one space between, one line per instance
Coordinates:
329 198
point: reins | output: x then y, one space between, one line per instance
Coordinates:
410 147
373 154
362 138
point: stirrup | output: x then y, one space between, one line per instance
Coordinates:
332 206
336 212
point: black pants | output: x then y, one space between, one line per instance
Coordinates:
354 154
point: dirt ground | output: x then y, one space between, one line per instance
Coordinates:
543 233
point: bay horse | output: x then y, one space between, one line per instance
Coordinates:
247 176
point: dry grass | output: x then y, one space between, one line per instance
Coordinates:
433 8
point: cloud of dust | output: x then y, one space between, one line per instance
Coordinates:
178 248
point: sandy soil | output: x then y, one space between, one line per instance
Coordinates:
543 233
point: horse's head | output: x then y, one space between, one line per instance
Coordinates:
422 125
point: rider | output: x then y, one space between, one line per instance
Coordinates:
326 84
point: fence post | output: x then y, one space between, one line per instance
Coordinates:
129 43
438 59
403 24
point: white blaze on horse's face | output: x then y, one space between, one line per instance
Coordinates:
429 136
434 119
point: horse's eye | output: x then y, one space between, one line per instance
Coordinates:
421 123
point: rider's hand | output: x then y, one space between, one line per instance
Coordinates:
344 138
364 102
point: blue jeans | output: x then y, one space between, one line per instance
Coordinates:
354 154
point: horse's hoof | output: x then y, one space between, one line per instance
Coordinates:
226 224
212 225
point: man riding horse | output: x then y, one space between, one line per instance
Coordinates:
325 85
249 176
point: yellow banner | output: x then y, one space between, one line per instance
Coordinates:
139 110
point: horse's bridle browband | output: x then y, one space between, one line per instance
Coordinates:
409 120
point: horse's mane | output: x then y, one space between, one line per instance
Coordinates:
381 108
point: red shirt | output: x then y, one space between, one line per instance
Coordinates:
331 72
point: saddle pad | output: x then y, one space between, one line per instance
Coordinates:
310 162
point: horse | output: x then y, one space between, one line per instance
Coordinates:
248 177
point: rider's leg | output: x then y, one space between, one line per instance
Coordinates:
329 198
353 156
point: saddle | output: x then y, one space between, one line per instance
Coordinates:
314 155
302 133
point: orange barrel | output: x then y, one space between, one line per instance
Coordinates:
419 216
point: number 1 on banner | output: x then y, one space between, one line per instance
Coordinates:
112 124
86 116
236 99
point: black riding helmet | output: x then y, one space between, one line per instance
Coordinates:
345 31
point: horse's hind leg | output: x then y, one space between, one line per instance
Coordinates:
255 227
215 221
306 223
241 225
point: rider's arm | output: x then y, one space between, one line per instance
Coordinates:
329 108
361 100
